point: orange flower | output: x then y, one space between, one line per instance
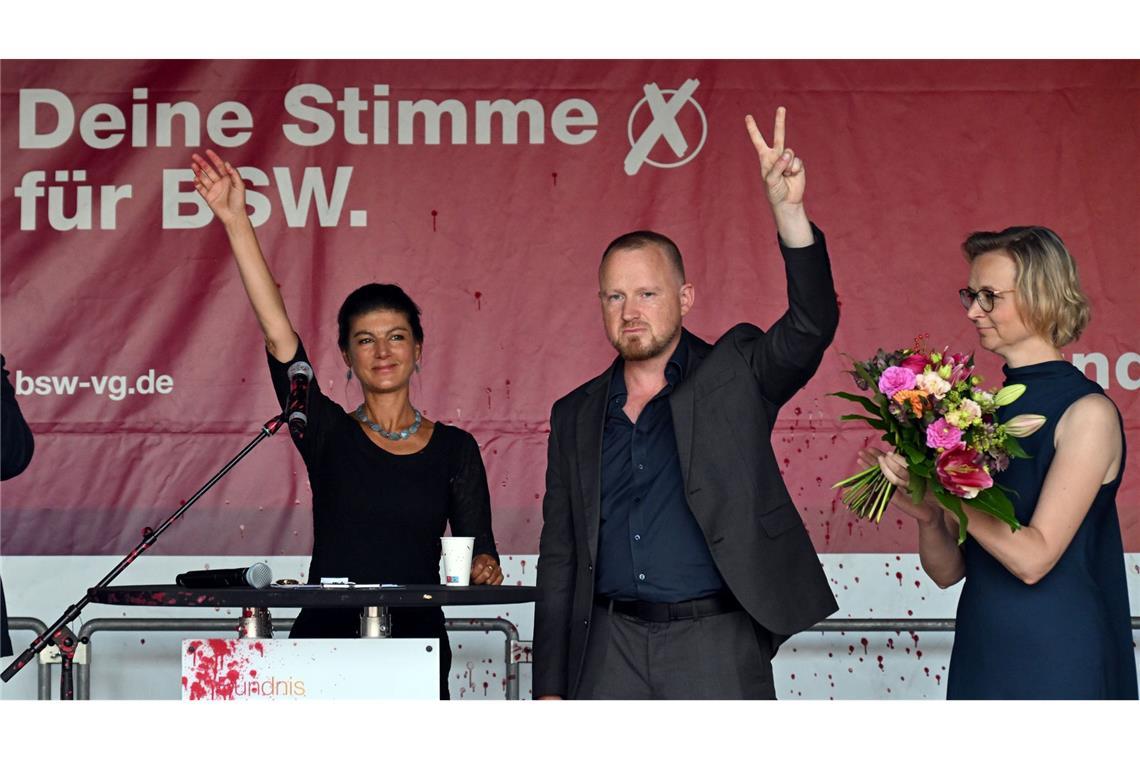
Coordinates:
915 398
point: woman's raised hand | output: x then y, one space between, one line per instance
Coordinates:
220 186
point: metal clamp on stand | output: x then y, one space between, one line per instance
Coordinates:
255 623
375 623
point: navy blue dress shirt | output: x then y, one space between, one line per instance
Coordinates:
650 546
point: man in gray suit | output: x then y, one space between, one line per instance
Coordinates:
672 561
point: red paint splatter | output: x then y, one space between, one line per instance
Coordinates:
478 302
864 642
434 215
219 667
880 659
554 178
899 576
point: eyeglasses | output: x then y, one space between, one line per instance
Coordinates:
985 298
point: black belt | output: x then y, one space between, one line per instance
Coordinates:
663 612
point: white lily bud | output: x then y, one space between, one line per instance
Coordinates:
1023 425
1009 394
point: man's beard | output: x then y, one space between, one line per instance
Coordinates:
638 351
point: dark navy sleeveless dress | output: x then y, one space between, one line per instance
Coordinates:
1069 635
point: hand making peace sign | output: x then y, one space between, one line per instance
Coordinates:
783 173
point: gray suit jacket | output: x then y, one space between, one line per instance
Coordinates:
723 413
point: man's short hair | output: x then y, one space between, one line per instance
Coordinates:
643 239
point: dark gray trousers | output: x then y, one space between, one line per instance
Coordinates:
725 656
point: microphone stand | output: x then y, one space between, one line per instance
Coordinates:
60 635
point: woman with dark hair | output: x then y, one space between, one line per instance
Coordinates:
1044 610
386 480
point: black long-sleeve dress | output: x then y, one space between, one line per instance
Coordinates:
378 516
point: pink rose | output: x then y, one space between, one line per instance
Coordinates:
960 472
895 379
916 363
942 435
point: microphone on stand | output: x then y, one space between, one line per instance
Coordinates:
255 576
299 373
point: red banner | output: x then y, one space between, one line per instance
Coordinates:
488 189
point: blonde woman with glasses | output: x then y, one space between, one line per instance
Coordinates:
1044 610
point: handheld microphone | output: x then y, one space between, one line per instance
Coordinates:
256 576
299 373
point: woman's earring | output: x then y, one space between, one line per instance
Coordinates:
348 374
418 368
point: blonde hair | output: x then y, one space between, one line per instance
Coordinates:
1048 288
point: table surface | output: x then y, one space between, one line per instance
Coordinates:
308 596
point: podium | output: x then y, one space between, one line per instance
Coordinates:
254 666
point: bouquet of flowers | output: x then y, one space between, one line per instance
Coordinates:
930 408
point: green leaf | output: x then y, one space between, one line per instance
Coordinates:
865 375
865 402
924 469
952 503
1014 448
994 502
875 423
917 488
913 454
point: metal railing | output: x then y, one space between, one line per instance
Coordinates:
43 667
516 652
83 671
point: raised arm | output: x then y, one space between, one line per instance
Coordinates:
222 188
784 181
784 358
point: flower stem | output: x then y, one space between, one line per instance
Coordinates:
857 495
854 478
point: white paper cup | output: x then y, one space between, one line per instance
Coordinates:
457 560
